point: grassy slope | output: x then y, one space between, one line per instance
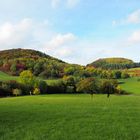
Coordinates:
70 117
6 77
131 85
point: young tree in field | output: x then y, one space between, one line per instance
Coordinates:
89 85
109 87
27 78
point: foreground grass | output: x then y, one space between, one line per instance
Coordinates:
70 117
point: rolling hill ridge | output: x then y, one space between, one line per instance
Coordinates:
16 60
114 63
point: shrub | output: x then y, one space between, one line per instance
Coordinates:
43 86
17 92
117 74
124 75
5 86
36 91
57 87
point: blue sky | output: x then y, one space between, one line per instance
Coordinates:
76 31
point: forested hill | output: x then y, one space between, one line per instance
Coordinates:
113 63
24 53
15 61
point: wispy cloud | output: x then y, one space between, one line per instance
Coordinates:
72 3
60 45
61 40
132 18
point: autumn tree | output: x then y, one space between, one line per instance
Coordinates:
27 78
89 85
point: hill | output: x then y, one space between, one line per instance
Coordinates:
24 53
16 60
113 63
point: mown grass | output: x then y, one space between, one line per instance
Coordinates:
70 117
131 85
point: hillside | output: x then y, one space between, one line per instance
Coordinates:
24 53
16 60
113 63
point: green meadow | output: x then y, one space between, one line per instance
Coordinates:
70 117
131 85
6 77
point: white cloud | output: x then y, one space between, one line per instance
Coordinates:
72 3
134 38
13 34
60 45
63 52
21 34
134 17
60 40
34 35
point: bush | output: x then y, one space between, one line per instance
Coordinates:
17 92
43 87
36 91
70 83
5 86
57 87
125 75
117 74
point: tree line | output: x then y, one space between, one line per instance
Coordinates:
28 84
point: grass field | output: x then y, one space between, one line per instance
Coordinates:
131 85
70 117
6 77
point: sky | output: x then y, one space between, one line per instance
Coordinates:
76 31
